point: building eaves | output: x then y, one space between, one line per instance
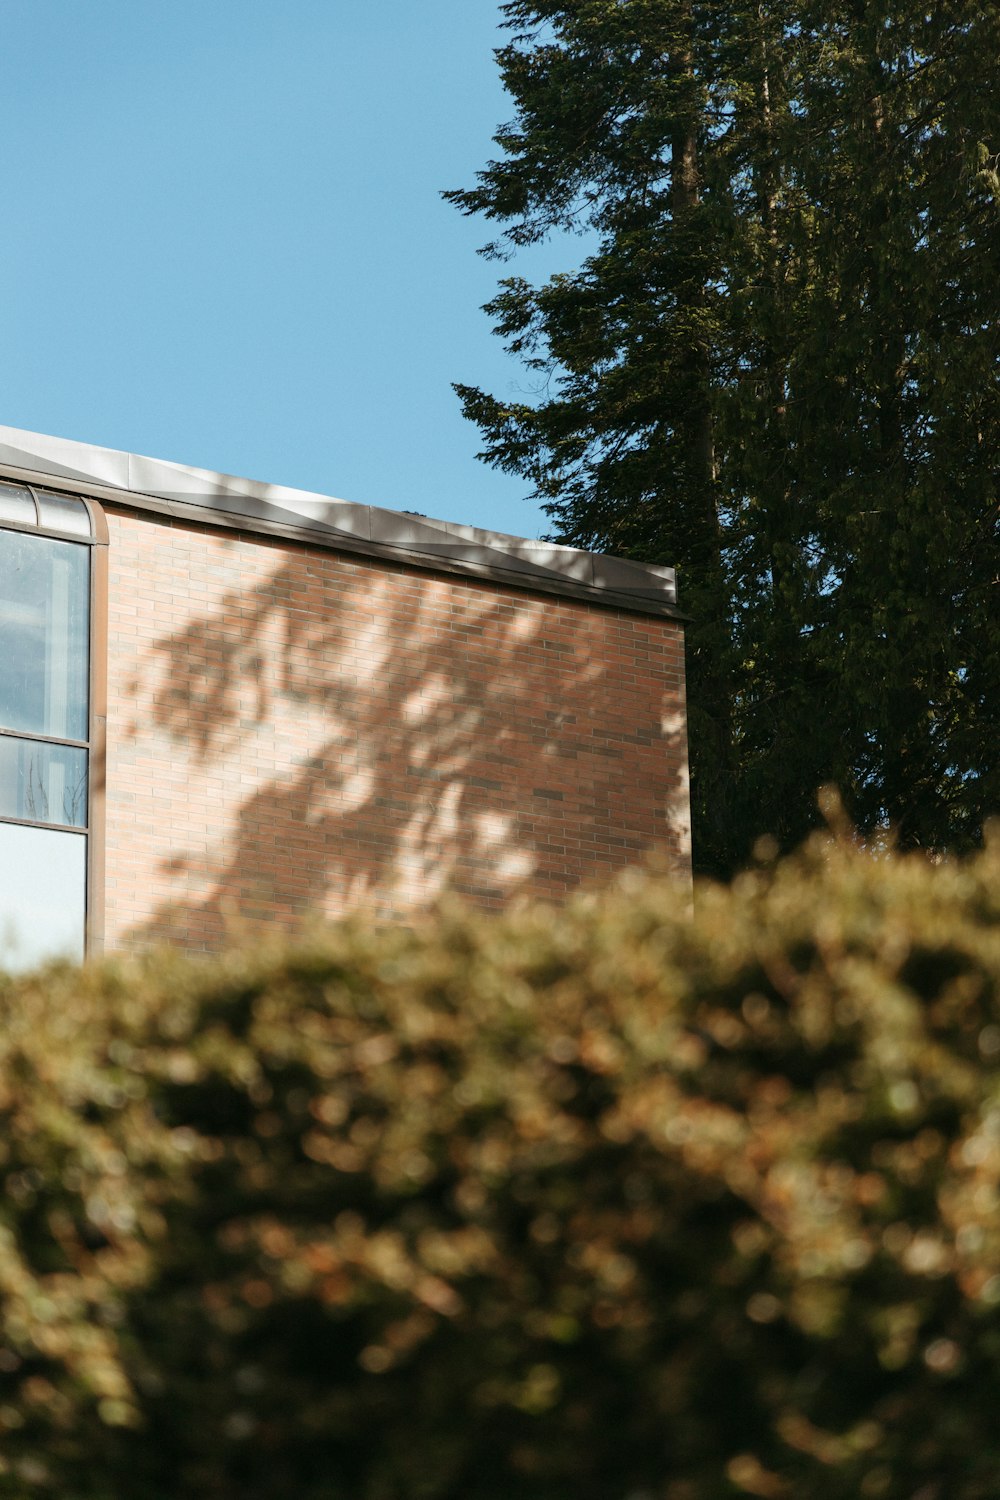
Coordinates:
200 495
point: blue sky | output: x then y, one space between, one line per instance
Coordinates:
225 243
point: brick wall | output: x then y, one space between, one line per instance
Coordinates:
293 729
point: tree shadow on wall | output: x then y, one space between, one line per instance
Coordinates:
363 735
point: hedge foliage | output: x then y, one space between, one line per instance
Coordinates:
604 1204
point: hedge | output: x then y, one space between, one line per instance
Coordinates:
609 1203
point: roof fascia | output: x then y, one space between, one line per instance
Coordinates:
218 500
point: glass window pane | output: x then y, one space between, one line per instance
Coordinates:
61 513
43 882
16 504
46 783
44 635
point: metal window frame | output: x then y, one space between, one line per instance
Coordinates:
97 683
42 739
52 827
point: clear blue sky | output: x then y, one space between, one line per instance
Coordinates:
225 245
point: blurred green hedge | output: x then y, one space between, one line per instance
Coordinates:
609 1203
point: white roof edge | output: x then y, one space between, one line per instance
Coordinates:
226 500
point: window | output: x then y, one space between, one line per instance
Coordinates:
47 722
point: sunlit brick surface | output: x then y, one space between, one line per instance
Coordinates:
290 729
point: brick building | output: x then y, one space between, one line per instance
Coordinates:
227 701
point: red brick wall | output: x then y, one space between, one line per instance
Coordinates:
292 729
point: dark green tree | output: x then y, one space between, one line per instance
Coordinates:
776 367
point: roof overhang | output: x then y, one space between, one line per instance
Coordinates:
202 496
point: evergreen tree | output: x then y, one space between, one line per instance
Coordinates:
778 369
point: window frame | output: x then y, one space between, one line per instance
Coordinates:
97 707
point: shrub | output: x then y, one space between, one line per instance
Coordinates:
606 1202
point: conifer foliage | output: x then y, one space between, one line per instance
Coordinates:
775 366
